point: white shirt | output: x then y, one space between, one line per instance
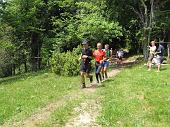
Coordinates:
152 49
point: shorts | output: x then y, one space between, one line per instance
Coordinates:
158 60
84 67
106 64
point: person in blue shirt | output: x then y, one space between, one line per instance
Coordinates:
159 56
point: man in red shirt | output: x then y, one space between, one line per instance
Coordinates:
99 56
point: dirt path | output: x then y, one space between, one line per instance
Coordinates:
89 110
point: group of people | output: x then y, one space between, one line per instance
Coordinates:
155 55
102 58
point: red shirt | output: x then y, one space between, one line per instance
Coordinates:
99 55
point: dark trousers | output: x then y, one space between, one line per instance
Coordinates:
98 66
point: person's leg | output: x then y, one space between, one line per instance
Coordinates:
103 73
151 60
118 61
100 77
105 68
96 67
159 64
82 75
149 65
159 67
121 60
90 76
98 70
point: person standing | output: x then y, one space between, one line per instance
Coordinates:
85 67
119 55
152 50
159 56
99 56
106 61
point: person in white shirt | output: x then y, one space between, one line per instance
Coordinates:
152 50
119 55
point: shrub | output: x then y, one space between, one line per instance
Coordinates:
66 64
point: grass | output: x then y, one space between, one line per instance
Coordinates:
62 114
137 98
20 96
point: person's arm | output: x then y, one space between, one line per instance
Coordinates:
159 50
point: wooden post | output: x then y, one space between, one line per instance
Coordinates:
168 53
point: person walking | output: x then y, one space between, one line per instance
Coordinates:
119 55
152 50
85 67
99 56
159 57
106 62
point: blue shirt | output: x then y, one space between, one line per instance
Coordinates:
160 50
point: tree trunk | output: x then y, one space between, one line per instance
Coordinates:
19 68
25 66
145 44
35 52
7 71
151 20
14 68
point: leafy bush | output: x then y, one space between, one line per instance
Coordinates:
66 64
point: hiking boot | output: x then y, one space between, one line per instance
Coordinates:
91 79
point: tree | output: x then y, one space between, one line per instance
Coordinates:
6 51
143 12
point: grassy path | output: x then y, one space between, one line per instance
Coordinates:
45 112
42 116
90 109
135 97
22 96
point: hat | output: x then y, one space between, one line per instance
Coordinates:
84 42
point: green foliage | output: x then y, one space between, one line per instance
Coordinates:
87 23
66 63
97 28
36 28
6 50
